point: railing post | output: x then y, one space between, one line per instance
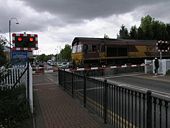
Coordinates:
72 83
105 98
84 90
149 109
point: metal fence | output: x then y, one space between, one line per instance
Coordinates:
122 107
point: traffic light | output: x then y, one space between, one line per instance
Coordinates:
25 41
163 46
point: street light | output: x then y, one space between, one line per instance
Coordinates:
10 30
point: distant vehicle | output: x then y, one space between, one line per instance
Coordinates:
59 64
63 64
51 63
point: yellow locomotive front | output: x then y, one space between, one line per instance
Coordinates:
77 54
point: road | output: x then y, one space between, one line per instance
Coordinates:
139 82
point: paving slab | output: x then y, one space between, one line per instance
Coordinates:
54 108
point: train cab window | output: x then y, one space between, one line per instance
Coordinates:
79 48
74 49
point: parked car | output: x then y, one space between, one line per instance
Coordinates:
63 64
51 62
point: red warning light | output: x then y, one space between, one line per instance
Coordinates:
31 39
19 39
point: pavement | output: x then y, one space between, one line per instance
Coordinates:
54 108
159 77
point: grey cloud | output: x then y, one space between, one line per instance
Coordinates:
28 18
158 11
87 9
64 12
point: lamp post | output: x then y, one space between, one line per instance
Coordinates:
10 34
10 30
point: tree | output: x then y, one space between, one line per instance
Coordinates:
3 59
149 29
140 33
66 53
168 31
133 32
163 31
41 58
44 58
146 26
156 28
123 33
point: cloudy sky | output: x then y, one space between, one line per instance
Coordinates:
57 22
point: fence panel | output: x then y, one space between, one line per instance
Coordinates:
122 107
10 77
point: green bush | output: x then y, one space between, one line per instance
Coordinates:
14 108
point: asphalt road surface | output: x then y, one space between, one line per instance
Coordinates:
135 81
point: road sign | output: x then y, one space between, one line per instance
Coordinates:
19 57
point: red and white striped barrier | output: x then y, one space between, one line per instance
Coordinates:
94 68
108 67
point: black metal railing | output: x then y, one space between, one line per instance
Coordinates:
120 106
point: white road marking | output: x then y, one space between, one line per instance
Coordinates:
160 93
